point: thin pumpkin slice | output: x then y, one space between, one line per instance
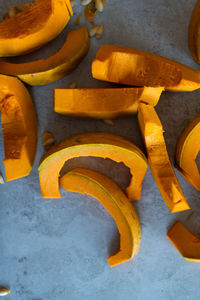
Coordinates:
104 189
138 68
194 33
185 242
187 149
103 103
103 145
19 127
30 29
48 70
167 182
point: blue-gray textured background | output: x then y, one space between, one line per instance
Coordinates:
57 249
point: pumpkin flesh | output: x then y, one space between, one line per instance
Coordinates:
19 127
194 33
101 187
167 182
138 68
103 103
185 242
97 145
48 70
30 29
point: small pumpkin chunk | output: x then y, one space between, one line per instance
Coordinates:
138 68
97 185
187 149
185 242
167 182
96 145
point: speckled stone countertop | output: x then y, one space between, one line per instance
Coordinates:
57 249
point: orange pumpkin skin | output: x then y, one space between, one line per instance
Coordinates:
30 29
138 68
19 127
97 145
97 185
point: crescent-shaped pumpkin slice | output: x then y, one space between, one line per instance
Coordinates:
55 67
103 103
185 242
187 149
138 68
167 182
30 29
99 186
103 145
19 127
194 33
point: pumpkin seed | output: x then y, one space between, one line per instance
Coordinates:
1 179
48 140
85 2
4 292
73 85
99 5
109 122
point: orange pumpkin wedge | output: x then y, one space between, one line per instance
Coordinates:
187 149
48 70
99 186
30 29
103 103
19 127
185 242
193 33
103 145
138 68
167 182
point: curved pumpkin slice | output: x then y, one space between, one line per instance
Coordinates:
138 68
30 29
194 33
92 144
187 149
114 200
45 71
103 103
185 242
19 127
152 133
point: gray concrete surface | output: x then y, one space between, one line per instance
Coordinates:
57 249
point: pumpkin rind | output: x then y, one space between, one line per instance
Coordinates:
138 68
97 145
101 187
194 33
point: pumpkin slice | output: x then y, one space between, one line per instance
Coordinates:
45 71
187 149
103 145
19 127
30 29
152 133
185 242
103 103
194 33
138 68
97 185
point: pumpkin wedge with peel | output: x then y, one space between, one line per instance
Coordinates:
194 33
48 70
103 103
97 185
30 29
152 133
103 145
187 149
185 242
19 127
138 68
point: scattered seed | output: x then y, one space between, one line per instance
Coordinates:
78 20
96 31
85 2
48 140
109 122
1 179
4 292
12 12
22 7
99 32
73 85
72 3
99 5
93 31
